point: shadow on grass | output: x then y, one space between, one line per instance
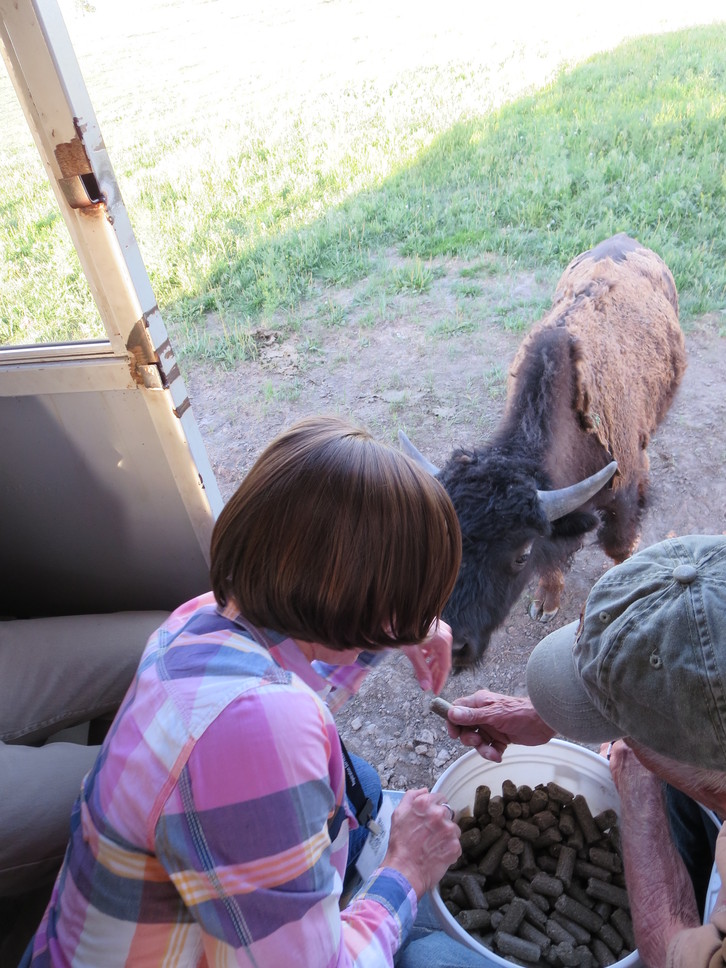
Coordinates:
633 140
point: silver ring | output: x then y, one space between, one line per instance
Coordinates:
450 809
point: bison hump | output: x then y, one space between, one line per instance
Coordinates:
618 305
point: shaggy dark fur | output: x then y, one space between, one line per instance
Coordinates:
589 384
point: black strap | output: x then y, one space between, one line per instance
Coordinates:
362 804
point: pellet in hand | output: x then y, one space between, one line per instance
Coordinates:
441 707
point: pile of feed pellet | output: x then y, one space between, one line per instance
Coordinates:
540 879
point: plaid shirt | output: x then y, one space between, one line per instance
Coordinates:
213 829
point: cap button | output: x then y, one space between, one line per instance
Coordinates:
685 574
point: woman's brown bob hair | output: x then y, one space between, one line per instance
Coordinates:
338 539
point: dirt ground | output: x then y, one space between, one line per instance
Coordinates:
446 391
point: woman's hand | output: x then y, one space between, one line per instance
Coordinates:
424 840
489 722
431 659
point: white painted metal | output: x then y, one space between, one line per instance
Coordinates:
108 496
48 81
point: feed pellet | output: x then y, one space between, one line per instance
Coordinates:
540 879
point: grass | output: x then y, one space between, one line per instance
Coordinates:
254 224
495 382
234 341
447 327
414 278
630 141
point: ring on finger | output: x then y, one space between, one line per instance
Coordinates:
452 813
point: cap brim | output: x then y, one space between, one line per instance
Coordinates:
557 693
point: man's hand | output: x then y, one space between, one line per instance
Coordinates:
489 722
662 901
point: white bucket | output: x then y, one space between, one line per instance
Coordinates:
714 885
571 766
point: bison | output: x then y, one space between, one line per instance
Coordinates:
587 387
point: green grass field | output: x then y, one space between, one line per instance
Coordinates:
259 216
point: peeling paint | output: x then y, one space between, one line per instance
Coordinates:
182 408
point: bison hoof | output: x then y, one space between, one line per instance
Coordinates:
538 613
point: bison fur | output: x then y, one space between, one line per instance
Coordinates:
588 385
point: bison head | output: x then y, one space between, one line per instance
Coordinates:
510 529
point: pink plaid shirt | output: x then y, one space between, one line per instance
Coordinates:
213 829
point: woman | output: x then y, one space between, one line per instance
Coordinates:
213 829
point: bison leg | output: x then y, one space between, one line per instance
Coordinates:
546 602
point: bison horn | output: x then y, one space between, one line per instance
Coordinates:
557 504
411 451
